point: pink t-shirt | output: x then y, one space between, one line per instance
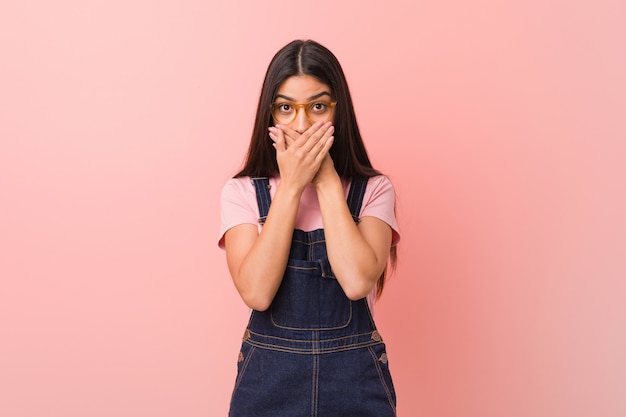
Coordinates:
239 205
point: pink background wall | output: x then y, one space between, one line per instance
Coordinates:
501 123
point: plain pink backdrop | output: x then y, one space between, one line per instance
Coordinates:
500 123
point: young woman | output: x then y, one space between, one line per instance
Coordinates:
309 228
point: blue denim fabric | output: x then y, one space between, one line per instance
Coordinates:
314 352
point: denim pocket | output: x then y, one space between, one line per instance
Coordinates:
245 355
309 300
355 383
381 363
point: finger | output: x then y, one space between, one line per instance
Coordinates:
322 141
315 134
307 134
325 148
324 131
281 138
290 135
278 138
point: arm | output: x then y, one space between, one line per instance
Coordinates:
357 254
257 261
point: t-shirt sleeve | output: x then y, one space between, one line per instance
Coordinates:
237 206
379 201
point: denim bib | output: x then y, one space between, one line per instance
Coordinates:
313 352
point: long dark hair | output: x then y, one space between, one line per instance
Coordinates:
348 151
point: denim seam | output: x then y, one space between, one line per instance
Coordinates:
312 351
369 314
346 324
308 341
264 199
355 197
315 385
382 379
244 366
309 243
303 268
268 198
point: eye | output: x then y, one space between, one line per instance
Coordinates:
284 107
319 107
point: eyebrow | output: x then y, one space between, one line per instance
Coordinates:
316 96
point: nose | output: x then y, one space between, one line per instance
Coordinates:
301 123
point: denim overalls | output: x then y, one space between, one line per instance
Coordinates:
313 352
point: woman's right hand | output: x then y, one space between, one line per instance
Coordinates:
300 156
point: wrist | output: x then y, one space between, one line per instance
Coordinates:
290 189
327 181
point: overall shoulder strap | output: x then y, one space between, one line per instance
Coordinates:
355 196
263 198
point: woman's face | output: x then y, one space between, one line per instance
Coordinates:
302 100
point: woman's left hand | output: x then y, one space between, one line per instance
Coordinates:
326 171
327 168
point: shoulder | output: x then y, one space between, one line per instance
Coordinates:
379 201
380 185
238 189
379 180
237 186
237 205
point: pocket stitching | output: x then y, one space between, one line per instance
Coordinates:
244 367
342 326
382 379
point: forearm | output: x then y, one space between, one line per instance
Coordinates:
354 261
261 270
259 263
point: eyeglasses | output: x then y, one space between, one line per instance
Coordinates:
316 111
